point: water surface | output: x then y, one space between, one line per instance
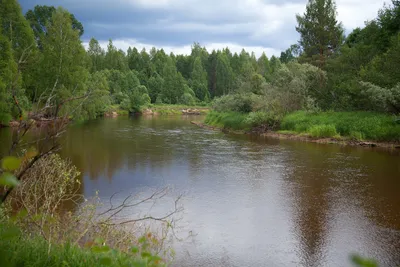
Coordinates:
250 201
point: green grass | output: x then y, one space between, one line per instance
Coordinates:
17 249
321 131
354 125
228 120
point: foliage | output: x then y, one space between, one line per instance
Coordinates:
382 99
243 103
39 19
268 120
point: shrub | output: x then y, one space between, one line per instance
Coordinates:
267 119
243 103
52 182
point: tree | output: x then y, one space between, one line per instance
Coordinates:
290 54
115 59
174 83
40 17
320 33
155 84
62 76
263 66
7 71
19 35
96 54
199 80
134 59
384 69
223 75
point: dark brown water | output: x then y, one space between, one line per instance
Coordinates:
250 201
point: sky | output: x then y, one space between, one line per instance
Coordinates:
174 25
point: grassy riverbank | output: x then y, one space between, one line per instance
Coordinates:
18 249
360 126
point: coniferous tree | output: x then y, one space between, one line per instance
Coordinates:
320 33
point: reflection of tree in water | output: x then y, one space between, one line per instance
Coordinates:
102 147
310 188
323 177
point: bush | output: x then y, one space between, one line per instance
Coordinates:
243 103
52 182
267 119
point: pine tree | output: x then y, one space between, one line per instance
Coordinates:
320 33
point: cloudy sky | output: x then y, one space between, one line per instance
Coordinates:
256 25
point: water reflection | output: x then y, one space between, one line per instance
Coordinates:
251 201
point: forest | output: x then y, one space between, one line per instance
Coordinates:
328 85
45 65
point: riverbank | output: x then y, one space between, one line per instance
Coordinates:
344 128
116 111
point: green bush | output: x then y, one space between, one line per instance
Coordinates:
243 103
259 118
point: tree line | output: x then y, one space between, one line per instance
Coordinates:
43 64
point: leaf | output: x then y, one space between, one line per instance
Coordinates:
134 250
8 179
10 163
142 239
362 262
146 254
106 261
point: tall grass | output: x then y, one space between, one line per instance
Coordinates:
19 249
229 120
356 125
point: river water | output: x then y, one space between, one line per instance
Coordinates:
249 201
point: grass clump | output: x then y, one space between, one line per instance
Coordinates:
356 125
321 131
228 120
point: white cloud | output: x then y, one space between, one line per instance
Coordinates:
353 13
256 19
124 44
252 23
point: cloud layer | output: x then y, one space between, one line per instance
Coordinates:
256 25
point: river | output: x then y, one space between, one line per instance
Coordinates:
249 201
